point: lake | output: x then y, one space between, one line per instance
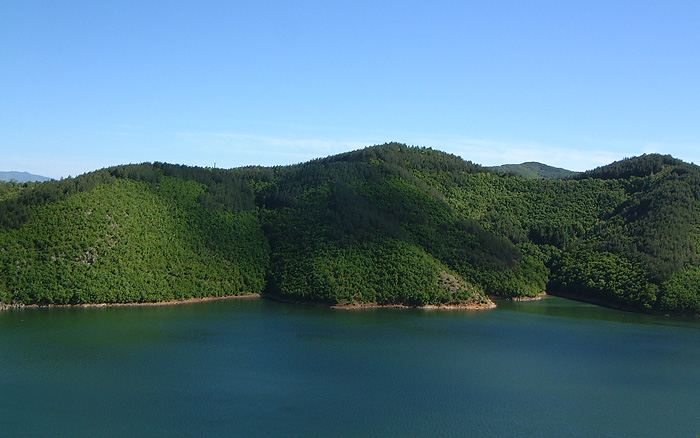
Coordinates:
253 367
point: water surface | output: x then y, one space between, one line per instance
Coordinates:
254 367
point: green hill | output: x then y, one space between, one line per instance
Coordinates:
388 224
534 170
130 234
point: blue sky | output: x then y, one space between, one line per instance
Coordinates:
89 84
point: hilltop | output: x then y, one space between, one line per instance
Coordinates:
387 224
534 170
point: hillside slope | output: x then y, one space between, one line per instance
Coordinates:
121 240
387 224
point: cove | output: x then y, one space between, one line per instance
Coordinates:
255 367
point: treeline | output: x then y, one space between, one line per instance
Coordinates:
644 165
387 224
223 188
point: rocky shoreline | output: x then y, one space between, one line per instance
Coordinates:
360 306
471 306
539 296
354 306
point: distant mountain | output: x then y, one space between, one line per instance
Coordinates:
534 170
22 177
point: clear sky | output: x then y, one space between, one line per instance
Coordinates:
574 84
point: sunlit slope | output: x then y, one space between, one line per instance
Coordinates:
131 241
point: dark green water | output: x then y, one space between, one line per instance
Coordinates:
258 368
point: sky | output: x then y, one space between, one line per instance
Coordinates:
576 84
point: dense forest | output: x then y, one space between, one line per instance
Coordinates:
387 224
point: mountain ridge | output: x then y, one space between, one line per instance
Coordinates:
22 177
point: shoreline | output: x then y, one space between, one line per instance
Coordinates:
539 296
491 304
355 306
622 307
362 306
134 304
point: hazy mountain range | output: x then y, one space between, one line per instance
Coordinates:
22 177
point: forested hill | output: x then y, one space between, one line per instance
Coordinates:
387 224
534 170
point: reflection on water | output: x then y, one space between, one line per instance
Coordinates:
258 368
560 307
